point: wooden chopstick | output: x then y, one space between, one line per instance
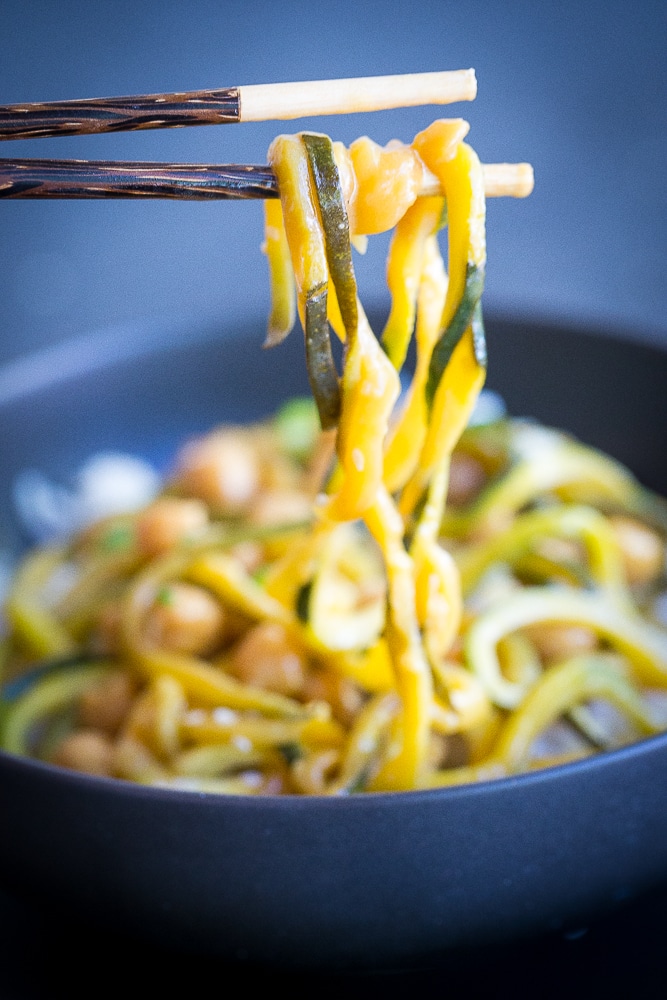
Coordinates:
34 178
259 102
107 179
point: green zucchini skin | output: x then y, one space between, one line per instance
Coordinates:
468 313
335 223
321 367
47 668
303 602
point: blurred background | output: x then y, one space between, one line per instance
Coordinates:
577 88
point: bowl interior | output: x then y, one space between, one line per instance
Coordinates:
371 879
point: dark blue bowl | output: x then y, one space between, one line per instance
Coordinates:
366 881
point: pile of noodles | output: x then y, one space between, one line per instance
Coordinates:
397 600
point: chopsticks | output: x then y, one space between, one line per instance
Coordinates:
254 103
107 179
33 178
39 178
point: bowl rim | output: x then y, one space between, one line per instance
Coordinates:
560 772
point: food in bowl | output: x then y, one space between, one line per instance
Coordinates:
366 593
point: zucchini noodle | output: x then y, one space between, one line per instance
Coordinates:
369 591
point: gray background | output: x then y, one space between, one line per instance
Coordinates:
578 88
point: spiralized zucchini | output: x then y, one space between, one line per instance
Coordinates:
367 592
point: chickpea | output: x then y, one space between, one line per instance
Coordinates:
447 751
106 704
222 469
186 619
250 554
278 471
140 722
131 760
266 658
437 750
642 550
87 750
280 507
466 478
106 632
558 640
344 696
169 521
